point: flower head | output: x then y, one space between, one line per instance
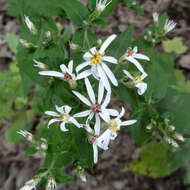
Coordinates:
31 184
101 5
51 184
39 64
155 16
62 116
30 25
138 82
169 26
97 61
29 137
66 74
132 56
97 107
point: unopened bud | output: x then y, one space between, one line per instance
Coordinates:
51 184
30 25
27 135
39 64
48 35
155 16
179 137
99 42
44 145
171 128
27 44
74 46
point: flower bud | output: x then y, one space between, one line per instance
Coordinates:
39 64
74 46
44 145
48 35
155 16
51 184
179 137
30 25
29 137
171 128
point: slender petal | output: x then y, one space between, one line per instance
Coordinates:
128 74
52 73
90 117
63 128
100 92
110 59
93 50
141 88
90 91
75 122
141 56
110 74
122 113
52 121
67 109
82 65
70 66
97 125
88 129
113 112
106 43
143 76
82 98
87 56
59 109
104 139
104 78
107 100
136 63
105 115
63 68
82 114
84 74
52 113
129 122
95 150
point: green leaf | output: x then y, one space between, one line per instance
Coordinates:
155 161
76 11
12 41
119 46
175 45
132 4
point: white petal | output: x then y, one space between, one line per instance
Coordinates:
97 125
63 68
93 50
95 72
75 122
104 78
52 121
113 112
67 109
100 92
82 65
110 74
59 109
107 100
141 88
122 113
87 56
104 139
88 129
70 66
129 122
52 73
135 49
95 151
52 113
106 43
105 115
141 56
113 135
136 63
90 91
63 128
82 98
82 114
90 117
110 59
128 74
84 74
143 76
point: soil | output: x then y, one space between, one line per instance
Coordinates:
109 175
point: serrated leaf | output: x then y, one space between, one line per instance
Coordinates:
12 41
175 45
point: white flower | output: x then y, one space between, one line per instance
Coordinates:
113 126
26 134
51 184
63 117
39 64
138 82
97 108
169 25
101 5
31 184
30 25
155 16
131 55
96 59
179 137
66 74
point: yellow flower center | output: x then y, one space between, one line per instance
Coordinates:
64 117
96 59
113 125
137 80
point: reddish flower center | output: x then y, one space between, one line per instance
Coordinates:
129 53
96 108
92 139
68 77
